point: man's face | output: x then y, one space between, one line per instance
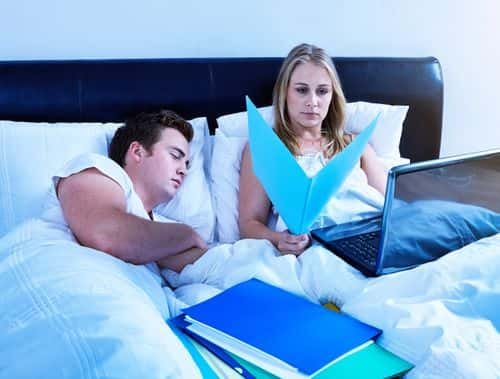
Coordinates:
165 168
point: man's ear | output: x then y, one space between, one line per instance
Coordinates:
135 151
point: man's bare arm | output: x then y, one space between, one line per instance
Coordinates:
94 207
179 261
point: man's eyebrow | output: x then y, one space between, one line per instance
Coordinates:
179 150
181 153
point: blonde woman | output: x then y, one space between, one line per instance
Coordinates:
309 113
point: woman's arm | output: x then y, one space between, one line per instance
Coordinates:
372 166
254 208
374 169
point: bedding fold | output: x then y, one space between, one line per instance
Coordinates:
442 316
74 312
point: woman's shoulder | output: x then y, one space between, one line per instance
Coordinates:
348 137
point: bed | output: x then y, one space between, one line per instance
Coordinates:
71 312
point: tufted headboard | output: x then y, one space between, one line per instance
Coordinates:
112 90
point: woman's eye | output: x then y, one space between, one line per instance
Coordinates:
301 90
323 91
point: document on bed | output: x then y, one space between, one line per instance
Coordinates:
278 331
298 198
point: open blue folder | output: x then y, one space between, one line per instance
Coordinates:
179 323
305 336
206 371
298 199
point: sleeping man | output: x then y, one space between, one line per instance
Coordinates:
107 203
68 304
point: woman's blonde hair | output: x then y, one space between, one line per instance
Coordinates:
332 127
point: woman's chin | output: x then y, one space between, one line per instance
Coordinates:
310 124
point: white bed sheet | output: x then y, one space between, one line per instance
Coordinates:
92 313
72 312
443 316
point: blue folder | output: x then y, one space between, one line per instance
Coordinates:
204 367
180 324
298 332
298 198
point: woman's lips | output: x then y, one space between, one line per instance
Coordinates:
310 114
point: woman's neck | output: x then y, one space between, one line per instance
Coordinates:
310 141
307 133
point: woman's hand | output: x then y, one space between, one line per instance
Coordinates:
292 244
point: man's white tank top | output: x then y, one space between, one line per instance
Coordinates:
56 226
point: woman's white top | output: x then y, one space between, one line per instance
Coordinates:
355 199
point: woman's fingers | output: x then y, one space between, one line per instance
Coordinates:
295 238
293 244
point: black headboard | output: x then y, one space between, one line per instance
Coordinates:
112 90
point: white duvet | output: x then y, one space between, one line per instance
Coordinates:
73 312
443 316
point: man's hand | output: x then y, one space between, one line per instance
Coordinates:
179 261
293 244
199 242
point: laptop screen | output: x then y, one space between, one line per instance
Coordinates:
438 207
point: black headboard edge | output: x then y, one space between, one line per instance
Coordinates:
112 90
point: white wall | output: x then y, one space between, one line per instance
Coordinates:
462 34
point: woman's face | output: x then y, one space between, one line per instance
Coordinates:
308 96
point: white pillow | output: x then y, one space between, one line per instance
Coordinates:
192 204
30 153
385 139
236 124
387 135
232 134
224 181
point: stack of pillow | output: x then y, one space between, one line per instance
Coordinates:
232 134
32 152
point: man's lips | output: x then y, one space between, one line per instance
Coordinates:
177 181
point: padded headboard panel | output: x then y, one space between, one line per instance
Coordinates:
112 90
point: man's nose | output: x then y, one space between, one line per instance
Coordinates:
182 169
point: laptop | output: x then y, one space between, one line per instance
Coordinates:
430 209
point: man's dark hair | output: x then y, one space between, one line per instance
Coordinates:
146 129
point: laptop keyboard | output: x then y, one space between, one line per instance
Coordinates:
364 247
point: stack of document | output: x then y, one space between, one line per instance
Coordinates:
285 335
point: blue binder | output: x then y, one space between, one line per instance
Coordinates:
205 369
180 324
300 333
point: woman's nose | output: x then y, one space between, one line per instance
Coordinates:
313 100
